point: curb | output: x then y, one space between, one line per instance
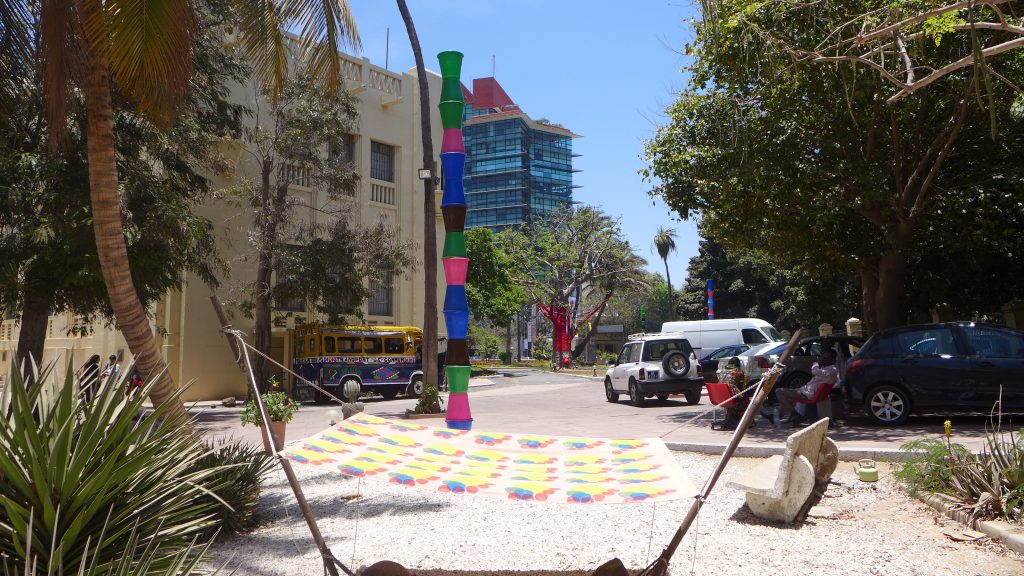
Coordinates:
765 450
481 382
1011 536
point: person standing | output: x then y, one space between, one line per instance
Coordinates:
823 372
88 377
112 369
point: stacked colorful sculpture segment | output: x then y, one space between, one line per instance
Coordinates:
453 257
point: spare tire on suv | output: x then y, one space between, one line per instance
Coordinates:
675 364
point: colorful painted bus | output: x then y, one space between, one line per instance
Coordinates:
383 359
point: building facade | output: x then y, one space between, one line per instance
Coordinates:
517 168
386 152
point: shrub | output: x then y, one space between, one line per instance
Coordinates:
82 482
989 484
280 407
238 471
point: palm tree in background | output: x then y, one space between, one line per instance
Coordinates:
145 50
429 399
665 243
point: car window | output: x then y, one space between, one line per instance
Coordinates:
808 349
624 354
722 353
656 350
994 343
753 336
634 352
927 342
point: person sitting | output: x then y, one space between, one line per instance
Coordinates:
736 380
823 372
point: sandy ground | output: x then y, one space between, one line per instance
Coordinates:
874 529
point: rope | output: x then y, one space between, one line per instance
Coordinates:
359 513
650 537
239 338
777 368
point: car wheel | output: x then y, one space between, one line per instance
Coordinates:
887 405
693 397
662 397
415 389
676 364
636 397
610 392
389 393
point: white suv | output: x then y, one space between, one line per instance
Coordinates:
654 365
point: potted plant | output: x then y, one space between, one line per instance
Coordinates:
280 409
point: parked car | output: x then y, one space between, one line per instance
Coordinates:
709 363
798 369
654 365
707 335
953 366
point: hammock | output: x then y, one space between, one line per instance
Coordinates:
523 467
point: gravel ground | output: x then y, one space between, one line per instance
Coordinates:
875 529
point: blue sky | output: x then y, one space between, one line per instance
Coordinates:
604 69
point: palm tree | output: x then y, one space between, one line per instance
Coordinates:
429 400
665 242
145 49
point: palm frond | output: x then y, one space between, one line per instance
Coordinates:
149 44
261 31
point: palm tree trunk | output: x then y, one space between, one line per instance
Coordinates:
668 279
110 245
430 223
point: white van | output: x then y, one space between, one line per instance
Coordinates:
707 335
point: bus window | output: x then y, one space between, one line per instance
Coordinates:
371 346
349 345
312 346
298 347
328 344
394 345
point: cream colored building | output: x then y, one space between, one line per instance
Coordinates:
389 132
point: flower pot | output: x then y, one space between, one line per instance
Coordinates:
279 429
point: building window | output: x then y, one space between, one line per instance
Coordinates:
381 295
345 151
382 162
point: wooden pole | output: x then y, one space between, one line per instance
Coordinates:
660 566
331 564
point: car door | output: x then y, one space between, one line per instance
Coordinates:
997 358
620 380
933 368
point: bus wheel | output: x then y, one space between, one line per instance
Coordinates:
389 393
415 388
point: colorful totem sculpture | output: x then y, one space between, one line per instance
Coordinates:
454 259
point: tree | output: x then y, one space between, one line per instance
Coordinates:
325 260
93 46
811 163
653 294
428 401
562 259
665 243
49 251
491 289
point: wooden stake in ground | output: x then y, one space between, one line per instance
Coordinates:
331 564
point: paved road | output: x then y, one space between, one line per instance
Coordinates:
522 400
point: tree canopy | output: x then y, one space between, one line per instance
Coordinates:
811 162
491 288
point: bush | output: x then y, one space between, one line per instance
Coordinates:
82 482
238 471
988 485
542 348
279 406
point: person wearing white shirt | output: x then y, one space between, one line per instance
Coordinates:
823 372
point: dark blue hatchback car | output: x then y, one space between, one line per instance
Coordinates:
954 366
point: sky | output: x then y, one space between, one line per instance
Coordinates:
604 69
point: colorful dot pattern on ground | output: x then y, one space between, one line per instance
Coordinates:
521 467
453 257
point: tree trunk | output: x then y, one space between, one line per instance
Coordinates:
888 296
262 301
668 279
35 314
508 343
582 344
868 290
429 224
110 245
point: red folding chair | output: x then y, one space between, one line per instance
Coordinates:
721 397
815 409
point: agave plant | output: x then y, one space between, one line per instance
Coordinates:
83 482
236 484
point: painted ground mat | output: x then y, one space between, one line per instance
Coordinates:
514 466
